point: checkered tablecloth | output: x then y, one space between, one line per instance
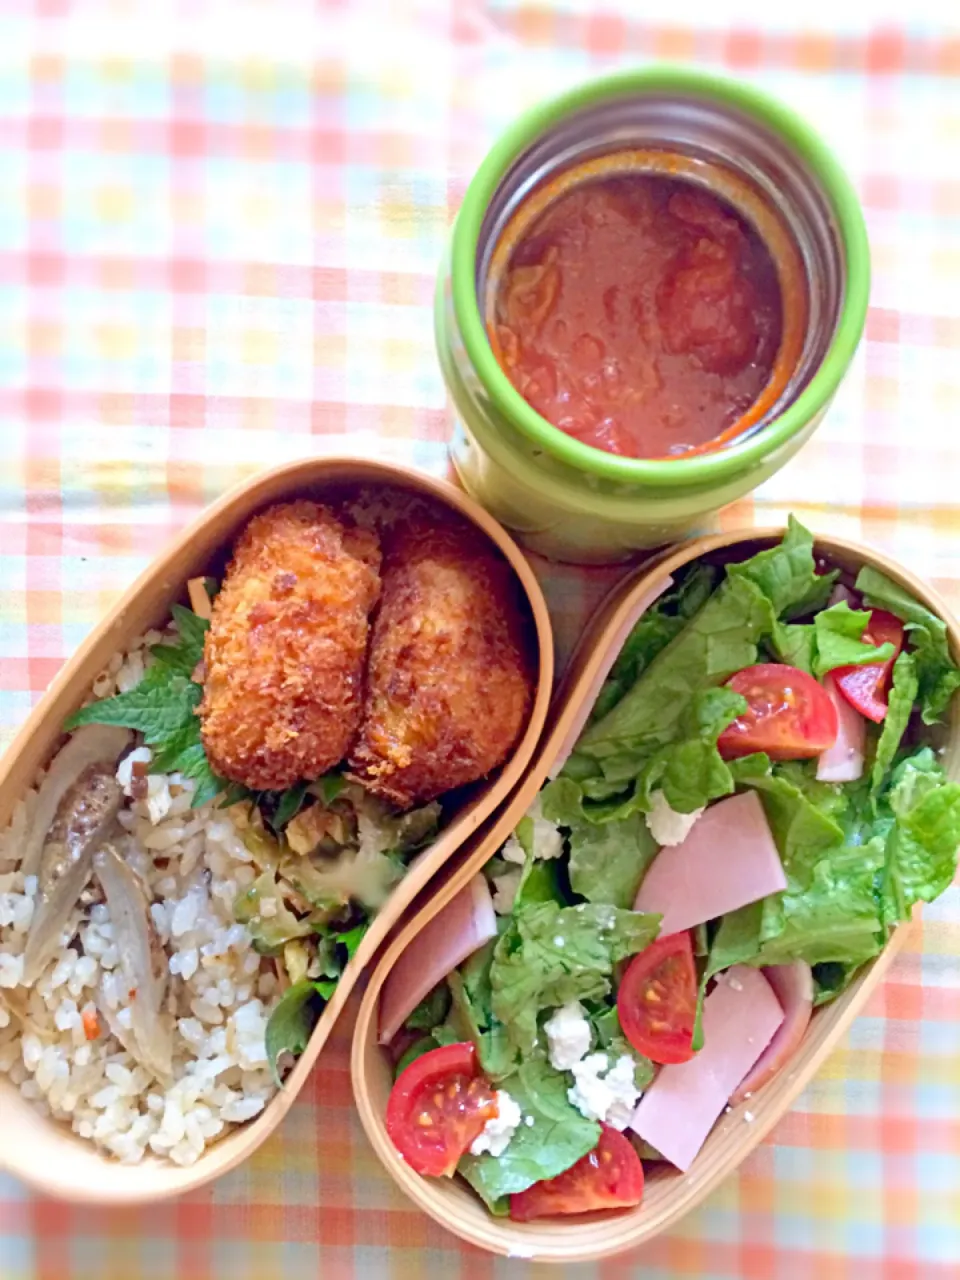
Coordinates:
219 226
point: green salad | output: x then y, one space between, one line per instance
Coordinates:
755 802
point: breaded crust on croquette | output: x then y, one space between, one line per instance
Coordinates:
284 657
449 681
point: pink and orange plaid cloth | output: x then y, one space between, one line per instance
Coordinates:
219 227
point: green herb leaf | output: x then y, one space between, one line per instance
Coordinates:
290 804
191 630
208 787
431 1010
352 938
163 708
292 1021
328 787
235 793
156 711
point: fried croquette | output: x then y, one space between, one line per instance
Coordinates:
449 674
284 656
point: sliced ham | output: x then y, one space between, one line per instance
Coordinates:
728 859
740 1018
843 762
618 640
793 986
455 932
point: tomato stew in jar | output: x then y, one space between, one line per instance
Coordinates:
654 286
642 313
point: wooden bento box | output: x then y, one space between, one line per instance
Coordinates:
46 1154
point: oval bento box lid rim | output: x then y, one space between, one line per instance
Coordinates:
731 1141
680 472
81 1173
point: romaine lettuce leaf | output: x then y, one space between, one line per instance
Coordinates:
561 801
610 1038
720 640
803 816
654 631
608 861
921 848
845 894
419 1047
937 673
830 979
786 574
551 955
837 632
293 1019
900 701
557 1139
539 882
431 1010
689 771
737 940
837 917
795 644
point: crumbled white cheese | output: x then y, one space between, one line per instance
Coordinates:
547 840
505 891
568 1036
666 825
602 1092
499 1129
142 755
625 1095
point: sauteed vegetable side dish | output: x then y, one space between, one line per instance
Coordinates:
182 889
754 803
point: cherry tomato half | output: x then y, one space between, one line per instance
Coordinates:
865 688
608 1177
657 1000
437 1107
789 715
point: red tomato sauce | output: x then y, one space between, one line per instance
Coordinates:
639 314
